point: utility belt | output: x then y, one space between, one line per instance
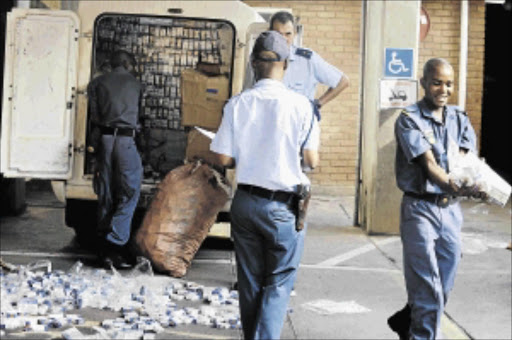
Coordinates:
298 201
441 200
280 196
107 130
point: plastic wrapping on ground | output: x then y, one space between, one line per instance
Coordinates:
182 212
42 301
468 169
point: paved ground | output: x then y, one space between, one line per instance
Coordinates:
348 283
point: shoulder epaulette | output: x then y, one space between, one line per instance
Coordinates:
457 109
303 52
410 109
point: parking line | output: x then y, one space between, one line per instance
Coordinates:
336 260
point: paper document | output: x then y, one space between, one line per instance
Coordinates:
207 133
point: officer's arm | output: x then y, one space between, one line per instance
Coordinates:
311 158
436 173
94 134
332 93
224 161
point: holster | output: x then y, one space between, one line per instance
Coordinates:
303 196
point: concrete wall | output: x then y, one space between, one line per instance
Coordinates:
388 24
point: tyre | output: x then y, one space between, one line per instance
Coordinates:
81 216
13 196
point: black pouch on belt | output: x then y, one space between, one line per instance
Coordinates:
303 196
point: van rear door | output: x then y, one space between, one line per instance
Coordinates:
40 81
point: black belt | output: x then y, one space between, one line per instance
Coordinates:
280 196
441 200
107 130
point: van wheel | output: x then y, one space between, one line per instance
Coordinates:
13 196
81 216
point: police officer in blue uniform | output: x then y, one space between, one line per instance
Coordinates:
307 68
263 132
114 101
430 215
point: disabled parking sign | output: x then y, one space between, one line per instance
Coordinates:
398 63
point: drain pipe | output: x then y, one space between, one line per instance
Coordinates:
463 53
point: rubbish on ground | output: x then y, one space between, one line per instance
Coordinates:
38 301
328 307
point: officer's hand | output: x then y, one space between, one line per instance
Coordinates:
90 149
461 189
466 190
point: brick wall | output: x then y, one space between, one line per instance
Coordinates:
332 29
443 40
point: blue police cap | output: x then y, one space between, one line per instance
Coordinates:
271 41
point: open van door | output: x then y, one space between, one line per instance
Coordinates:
40 81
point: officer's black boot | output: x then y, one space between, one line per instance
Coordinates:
112 255
400 322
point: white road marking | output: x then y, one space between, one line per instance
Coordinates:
44 254
350 268
336 260
329 307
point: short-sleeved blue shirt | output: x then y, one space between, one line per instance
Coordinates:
417 131
306 69
114 99
263 129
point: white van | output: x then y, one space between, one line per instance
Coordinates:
51 56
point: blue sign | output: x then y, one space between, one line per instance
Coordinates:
398 63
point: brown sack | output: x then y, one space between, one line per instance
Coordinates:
181 214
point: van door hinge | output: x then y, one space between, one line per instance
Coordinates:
79 149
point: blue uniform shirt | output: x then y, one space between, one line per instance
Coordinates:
306 69
263 129
114 99
417 131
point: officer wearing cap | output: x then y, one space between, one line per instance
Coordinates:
114 101
307 68
430 215
263 132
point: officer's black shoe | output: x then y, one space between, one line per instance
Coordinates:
113 256
400 322
115 260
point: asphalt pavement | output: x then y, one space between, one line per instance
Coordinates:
348 282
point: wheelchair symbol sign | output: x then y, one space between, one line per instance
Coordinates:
398 63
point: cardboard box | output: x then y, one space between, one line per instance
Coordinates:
203 98
198 146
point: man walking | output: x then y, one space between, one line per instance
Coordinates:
264 131
430 215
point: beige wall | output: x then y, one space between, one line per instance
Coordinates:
333 29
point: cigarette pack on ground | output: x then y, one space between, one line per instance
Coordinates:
472 170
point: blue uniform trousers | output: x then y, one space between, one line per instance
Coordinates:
431 251
117 186
268 251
